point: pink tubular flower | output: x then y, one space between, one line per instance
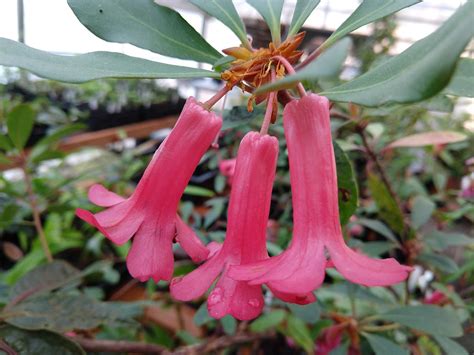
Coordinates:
245 239
300 269
149 214
227 168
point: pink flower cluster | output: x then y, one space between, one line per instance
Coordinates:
241 264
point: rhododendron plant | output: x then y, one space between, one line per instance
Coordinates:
149 214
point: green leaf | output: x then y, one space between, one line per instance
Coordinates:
44 278
5 143
421 211
90 66
462 81
417 73
229 324
367 12
430 319
451 347
4 159
388 208
198 191
303 10
223 63
144 24
38 342
383 346
20 121
298 331
202 316
310 313
327 65
378 227
439 240
225 12
62 313
271 13
346 184
268 321
441 262
239 115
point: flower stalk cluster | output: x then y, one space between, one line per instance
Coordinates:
241 265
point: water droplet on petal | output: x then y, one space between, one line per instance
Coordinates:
254 302
215 297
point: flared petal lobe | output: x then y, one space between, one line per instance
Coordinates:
149 214
249 208
313 178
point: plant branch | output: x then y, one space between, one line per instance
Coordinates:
7 348
36 214
117 346
220 343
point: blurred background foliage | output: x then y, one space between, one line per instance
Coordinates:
423 217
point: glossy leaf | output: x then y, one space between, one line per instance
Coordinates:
268 321
327 65
225 12
38 342
430 319
367 12
421 211
63 312
303 10
90 66
4 159
418 73
20 121
144 24
44 278
346 184
383 346
462 81
428 138
5 143
271 13
451 347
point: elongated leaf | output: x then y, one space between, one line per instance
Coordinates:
268 321
44 278
421 211
418 73
383 346
378 227
439 240
38 342
271 13
303 9
327 65
451 347
428 138
20 121
367 12
144 24
462 81
90 66
439 261
430 319
346 184
225 12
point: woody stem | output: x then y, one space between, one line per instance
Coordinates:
290 70
214 99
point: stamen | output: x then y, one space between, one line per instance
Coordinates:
219 95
